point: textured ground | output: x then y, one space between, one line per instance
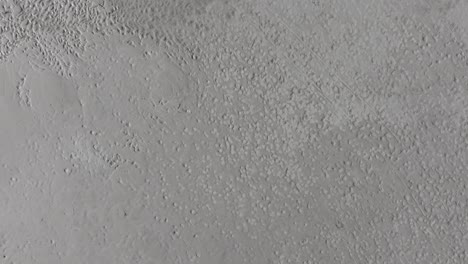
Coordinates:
233 131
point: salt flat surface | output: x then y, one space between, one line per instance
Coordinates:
233 131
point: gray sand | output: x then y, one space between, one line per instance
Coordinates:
231 132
